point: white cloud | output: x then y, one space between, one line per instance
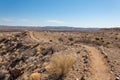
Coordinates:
55 21
14 20
7 20
24 20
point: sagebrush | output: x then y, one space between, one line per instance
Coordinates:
60 65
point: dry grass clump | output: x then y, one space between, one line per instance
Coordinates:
70 39
60 65
38 50
35 76
0 60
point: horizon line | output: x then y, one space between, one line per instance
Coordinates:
51 26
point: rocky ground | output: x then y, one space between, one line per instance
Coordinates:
28 55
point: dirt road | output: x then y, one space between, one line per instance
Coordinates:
98 67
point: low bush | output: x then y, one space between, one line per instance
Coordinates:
60 65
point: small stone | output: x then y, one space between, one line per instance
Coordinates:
117 78
82 78
47 51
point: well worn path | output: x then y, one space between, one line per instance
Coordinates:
98 67
31 34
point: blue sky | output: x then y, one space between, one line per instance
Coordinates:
78 13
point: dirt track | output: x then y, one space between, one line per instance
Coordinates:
32 36
98 67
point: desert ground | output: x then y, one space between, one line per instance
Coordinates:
60 55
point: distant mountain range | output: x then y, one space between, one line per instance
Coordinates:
57 27
50 28
37 26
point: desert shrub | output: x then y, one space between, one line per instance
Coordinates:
116 38
38 50
50 40
103 41
0 60
97 38
35 76
101 38
107 43
60 39
70 39
60 65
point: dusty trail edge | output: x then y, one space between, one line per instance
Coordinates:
98 66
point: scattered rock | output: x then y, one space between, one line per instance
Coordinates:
47 51
2 75
15 73
117 78
82 78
